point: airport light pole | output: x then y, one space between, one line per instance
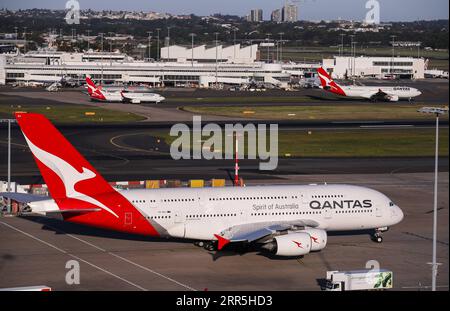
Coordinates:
217 59
9 121
351 53
158 30
88 41
268 47
17 42
25 39
149 44
192 48
434 265
393 52
110 41
341 50
168 42
281 46
234 42
101 40
110 47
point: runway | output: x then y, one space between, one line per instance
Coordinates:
123 153
35 250
435 92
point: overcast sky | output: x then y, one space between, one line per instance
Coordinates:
391 10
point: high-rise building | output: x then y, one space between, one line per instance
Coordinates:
256 15
276 16
289 13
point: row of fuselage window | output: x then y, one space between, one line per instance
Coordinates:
287 213
252 198
196 216
218 199
260 214
329 196
355 211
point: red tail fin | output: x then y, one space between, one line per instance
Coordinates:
91 86
94 91
328 83
73 182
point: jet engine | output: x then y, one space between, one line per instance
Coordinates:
292 244
392 98
318 238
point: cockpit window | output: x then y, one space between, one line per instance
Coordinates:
391 204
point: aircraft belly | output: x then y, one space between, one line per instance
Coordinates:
199 230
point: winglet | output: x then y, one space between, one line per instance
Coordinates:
222 241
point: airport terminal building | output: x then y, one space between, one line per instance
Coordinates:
199 67
176 70
375 67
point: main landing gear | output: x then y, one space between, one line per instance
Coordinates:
377 236
208 245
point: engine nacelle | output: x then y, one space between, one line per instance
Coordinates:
292 244
135 101
393 98
318 238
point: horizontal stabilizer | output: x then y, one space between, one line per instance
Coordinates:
23 197
74 211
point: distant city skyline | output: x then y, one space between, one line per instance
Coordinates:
391 10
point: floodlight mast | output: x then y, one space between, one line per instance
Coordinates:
434 264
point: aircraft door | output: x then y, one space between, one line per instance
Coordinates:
179 217
178 229
378 210
328 213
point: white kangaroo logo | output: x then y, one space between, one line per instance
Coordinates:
68 175
328 81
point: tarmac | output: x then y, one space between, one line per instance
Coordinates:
35 250
122 153
435 92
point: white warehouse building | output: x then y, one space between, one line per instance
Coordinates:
230 54
375 67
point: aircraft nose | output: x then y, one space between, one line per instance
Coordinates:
399 215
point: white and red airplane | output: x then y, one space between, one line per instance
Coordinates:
97 93
384 93
285 220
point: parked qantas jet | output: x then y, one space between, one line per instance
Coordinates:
98 94
285 220
384 93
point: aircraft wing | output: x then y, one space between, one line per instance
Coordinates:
380 95
372 95
257 231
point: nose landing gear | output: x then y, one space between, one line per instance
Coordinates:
377 236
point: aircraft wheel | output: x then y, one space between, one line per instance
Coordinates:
209 246
377 238
199 243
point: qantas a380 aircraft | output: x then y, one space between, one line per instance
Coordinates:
285 220
384 93
97 93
